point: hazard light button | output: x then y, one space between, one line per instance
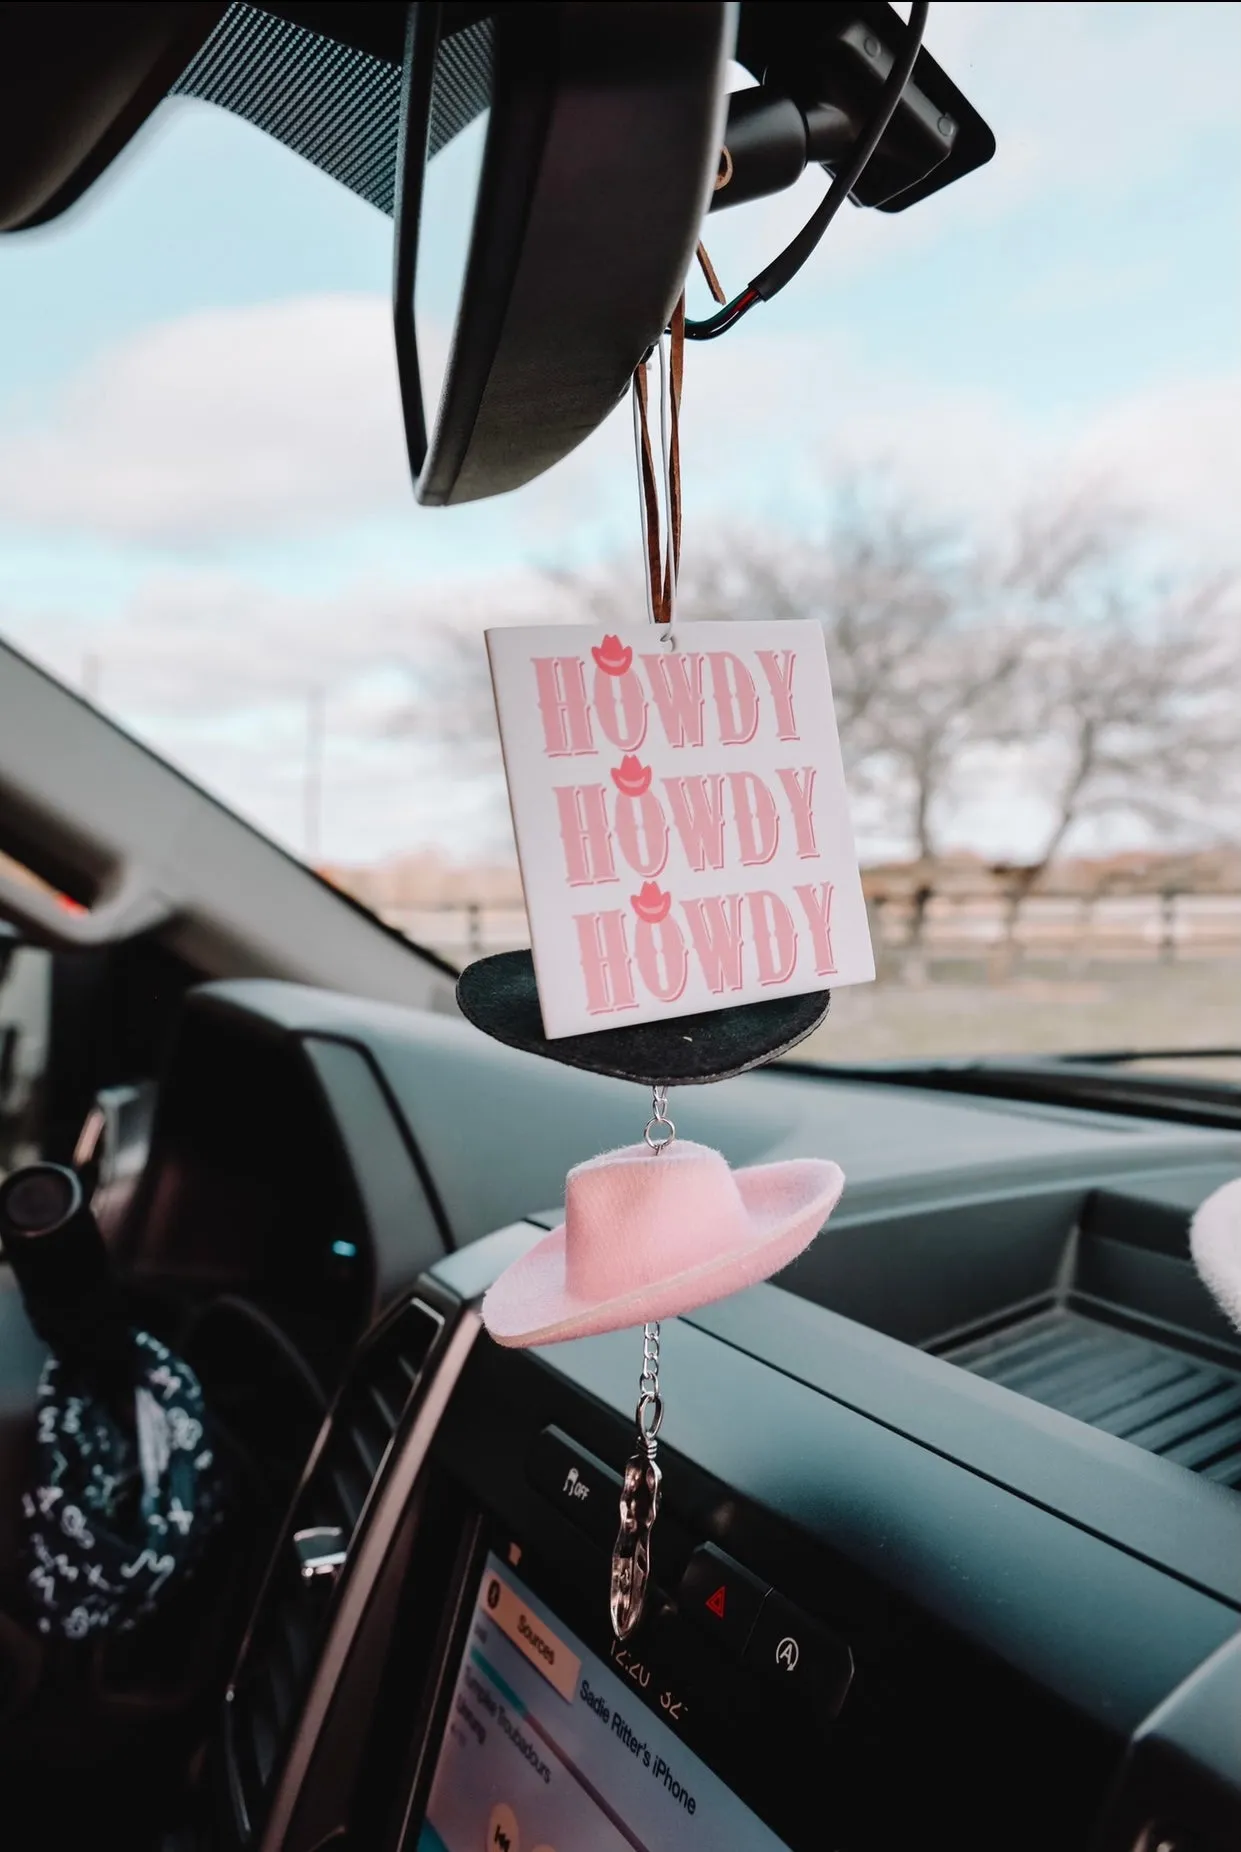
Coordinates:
721 1597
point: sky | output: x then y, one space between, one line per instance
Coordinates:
205 509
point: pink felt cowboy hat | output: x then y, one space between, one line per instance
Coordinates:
647 1237
1215 1242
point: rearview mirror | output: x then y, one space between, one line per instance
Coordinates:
601 147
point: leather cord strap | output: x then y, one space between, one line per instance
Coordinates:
663 551
663 556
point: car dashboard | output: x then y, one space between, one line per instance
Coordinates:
950 1543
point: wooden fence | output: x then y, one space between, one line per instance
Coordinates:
1074 929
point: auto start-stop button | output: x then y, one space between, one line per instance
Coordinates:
800 1656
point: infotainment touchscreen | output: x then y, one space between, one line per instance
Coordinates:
546 1750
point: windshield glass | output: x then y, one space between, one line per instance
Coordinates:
993 445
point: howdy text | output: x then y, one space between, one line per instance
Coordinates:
621 821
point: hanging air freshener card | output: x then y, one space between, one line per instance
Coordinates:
681 818
683 831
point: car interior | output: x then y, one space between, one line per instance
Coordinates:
949 1538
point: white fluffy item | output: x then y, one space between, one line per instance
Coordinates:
1215 1243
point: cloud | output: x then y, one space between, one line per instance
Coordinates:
1171 451
217 673
1058 86
378 795
200 643
231 422
280 426
1177 450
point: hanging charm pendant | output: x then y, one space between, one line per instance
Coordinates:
639 1499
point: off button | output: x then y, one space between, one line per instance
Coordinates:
581 1487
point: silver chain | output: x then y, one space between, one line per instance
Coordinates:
639 1500
649 1415
659 1134
660 1130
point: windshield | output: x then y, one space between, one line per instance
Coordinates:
992 445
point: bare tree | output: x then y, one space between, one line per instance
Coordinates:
1116 683
450 700
884 587
923 662
1128 693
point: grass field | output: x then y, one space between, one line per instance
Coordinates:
1143 1004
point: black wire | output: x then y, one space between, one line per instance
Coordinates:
784 268
773 279
724 318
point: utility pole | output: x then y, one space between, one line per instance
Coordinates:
91 677
313 780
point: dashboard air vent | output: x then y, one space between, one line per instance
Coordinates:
1185 1407
280 1650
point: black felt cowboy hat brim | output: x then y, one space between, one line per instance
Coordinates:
499 996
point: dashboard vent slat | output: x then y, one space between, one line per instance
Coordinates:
1227 1469
367 1450
1074 1372
1214 1401
1142 1385
296 1639
1219 1441
389 1412
272 1681
351 1485
1140 1415
263 1736
279 1684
